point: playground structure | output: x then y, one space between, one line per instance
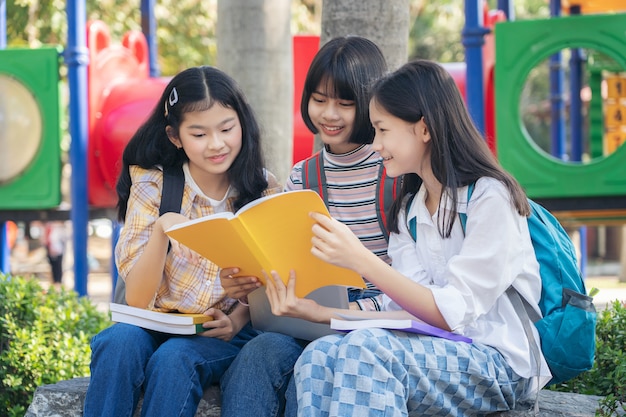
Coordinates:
119 89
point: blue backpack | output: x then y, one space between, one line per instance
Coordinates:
568 327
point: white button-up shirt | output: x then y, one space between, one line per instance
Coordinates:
469 272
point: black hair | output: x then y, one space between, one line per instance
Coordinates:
459 153
348 65
195 89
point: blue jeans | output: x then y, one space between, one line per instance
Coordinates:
259 382
172 371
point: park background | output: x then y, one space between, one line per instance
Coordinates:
189 33
189 37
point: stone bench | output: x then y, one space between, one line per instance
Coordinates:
65 399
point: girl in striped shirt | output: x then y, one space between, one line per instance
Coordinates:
334 105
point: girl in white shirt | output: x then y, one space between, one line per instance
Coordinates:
442 273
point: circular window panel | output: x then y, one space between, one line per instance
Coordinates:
20 128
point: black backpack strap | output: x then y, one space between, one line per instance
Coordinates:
171 201
173 187
172 193
314 177
387 190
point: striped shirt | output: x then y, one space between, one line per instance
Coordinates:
351 181
185 287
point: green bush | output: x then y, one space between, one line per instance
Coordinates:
607 378
44 338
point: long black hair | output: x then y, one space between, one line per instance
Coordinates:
459 154
195 89
348 65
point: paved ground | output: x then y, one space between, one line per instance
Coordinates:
33 262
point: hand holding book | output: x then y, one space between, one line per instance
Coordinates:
270 233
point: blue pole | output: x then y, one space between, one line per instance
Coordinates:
576 121
576 126
473 41
557 105
148 26
3 24
507 7
76 58
5 251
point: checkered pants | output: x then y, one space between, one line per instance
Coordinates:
377 372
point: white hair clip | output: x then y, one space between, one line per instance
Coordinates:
173 99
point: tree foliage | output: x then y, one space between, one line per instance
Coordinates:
186 29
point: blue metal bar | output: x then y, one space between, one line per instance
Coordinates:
3 24
557 108
576 120
557 103
576 126
5 250
76 58
473 38
4 235
148 26
507 7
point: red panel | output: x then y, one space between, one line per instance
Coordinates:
304 49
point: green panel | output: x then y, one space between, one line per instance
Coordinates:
35 182
522 45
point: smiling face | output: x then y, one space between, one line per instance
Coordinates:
404 146
333 117
211 138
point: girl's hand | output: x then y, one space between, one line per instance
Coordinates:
237 287
168 220
335 243
221 327
283 300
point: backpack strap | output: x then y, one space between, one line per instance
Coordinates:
314 177
387 190
173 187
171 201
412 223
172 192
522 308
463 216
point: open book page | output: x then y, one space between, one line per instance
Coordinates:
281 227
271 233
221 215
224 241
348 323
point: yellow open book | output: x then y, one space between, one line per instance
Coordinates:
270 233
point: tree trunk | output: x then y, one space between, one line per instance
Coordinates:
254 46
385 23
